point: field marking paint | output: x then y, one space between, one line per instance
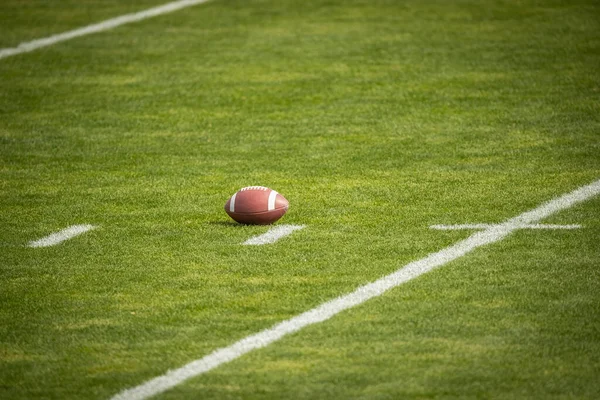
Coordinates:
488 226
327 310
61 236
273 234
99 27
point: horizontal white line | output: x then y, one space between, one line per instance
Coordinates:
329 309
488 226
61 236
273 235
99 27
550 226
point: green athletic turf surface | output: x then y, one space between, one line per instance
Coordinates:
375 119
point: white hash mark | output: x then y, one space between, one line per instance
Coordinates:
273 235
61 236
488 226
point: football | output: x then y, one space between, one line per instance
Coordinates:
256 205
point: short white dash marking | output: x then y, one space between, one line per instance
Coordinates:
488 226
61 236
273 235
99 27
329 309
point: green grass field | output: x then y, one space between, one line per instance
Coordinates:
375 119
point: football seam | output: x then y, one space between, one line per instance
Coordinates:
258 213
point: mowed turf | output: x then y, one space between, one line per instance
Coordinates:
375 120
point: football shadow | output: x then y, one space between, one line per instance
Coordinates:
224 223
233 224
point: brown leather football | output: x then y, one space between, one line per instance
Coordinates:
256 205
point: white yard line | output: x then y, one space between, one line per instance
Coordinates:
329 309
488 226
61 236
273 234
99 27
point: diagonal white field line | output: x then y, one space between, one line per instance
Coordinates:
487 226
61 236
273 235
99 27
329 309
